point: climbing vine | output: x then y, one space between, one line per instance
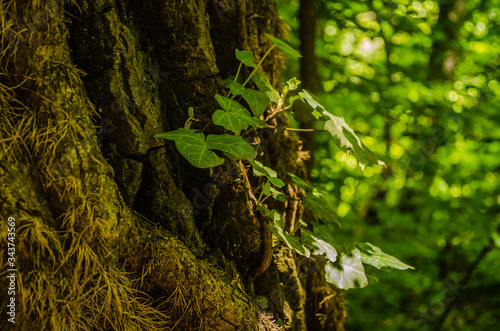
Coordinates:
346 260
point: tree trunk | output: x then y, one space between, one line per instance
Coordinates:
113 228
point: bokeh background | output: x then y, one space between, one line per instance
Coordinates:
419 81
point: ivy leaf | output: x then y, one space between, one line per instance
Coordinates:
261 170
265 86
257 100
373 255
320 246
320 206
347 140
193 147
347 272
261 301
301 183
311 99
235 117
267 189
284 47
278 195
277 227
293 83
234 145
302 111
246 57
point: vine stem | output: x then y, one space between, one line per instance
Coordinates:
258 65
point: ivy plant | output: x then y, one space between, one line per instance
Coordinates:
346 261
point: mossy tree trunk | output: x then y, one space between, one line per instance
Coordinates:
114 229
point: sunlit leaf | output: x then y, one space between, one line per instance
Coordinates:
347 140
319 246
371 254
347 272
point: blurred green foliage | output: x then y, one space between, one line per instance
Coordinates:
419 81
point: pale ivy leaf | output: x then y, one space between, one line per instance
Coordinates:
261 170
315 201
235 117
373 255
277 227
191 112
246 57
234 145
347 272
347 140
311 99
284 47
265 86
301 183
257 100
293 83
193 147
319 246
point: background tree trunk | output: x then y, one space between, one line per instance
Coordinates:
114 229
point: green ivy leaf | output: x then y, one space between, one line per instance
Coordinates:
284 47
234 145
246 57
257 100
347 272
235 117
265 86
193 147
373 255
278 195
261 170
347 140
301 183
261 301
320 206
320 246
277 227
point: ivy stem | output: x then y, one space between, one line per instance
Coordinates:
258 65
238 72
262 193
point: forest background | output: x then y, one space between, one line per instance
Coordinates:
419 79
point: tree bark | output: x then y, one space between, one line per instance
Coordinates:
114 229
